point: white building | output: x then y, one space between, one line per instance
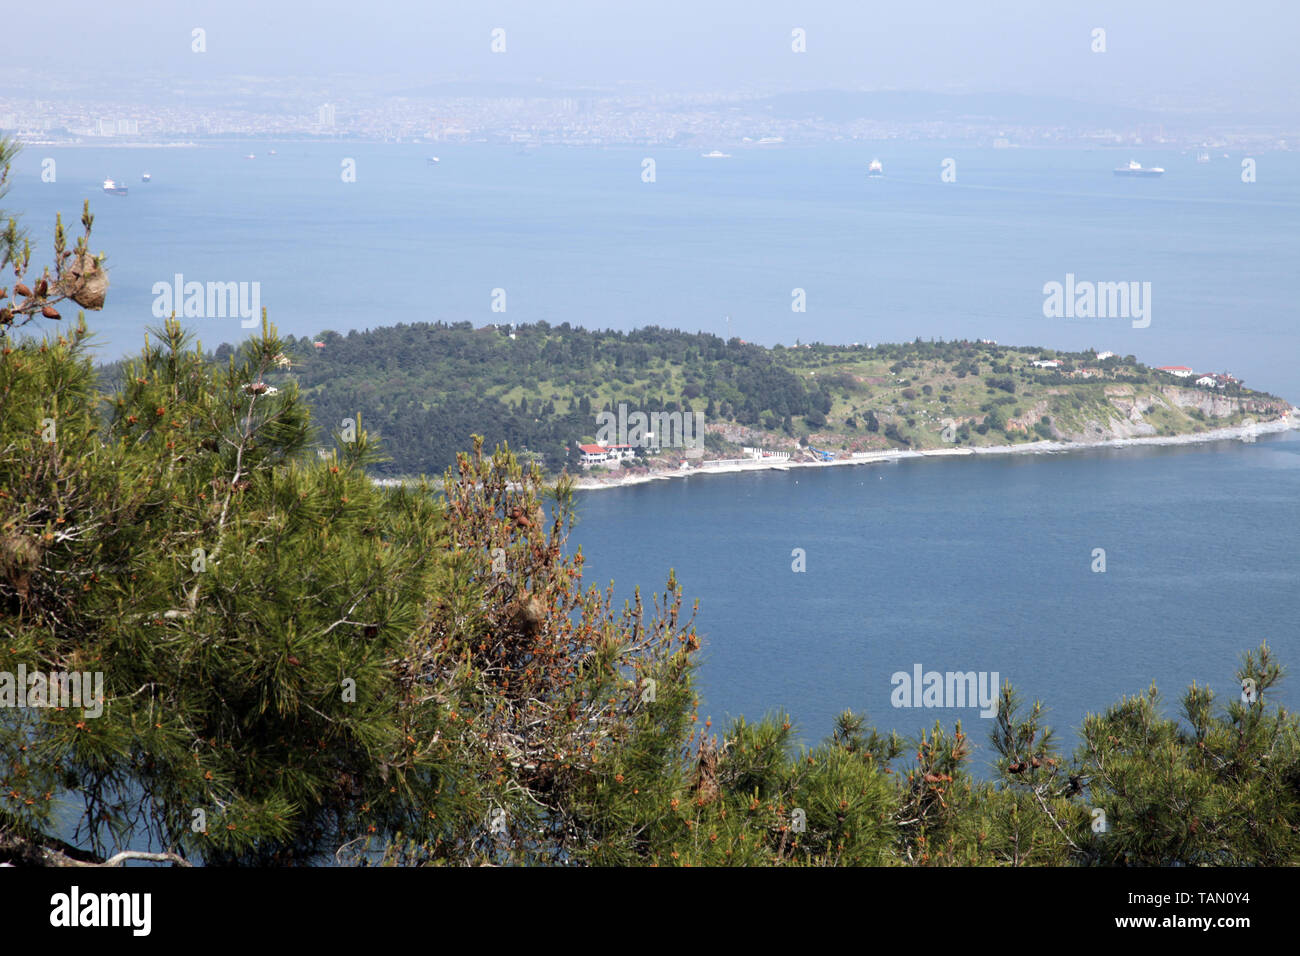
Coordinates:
325 116
621 452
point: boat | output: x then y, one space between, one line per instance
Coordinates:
433 160
1203 156
875 168
250 156
716 154
113 188
145 177
1134 168
270 152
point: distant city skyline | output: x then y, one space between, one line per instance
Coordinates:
787 119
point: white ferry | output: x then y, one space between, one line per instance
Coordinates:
1134 168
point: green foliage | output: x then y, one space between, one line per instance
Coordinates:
297 663
227 586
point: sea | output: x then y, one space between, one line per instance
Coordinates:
984 565
1079 578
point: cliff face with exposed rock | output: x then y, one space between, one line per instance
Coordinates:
1134 412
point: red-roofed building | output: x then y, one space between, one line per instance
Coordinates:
593 455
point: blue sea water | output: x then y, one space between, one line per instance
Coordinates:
576 235
971 565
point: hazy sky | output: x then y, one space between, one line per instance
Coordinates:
1185 52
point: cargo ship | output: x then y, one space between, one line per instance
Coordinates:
145 177
1134 168
113 189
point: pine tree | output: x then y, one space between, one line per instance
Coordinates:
244 601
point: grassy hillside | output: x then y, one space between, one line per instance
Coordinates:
426 388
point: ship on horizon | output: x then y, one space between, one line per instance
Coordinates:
1134 168
875 169
432 160
145 177
113 188
715 154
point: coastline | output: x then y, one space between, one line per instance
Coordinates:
732 466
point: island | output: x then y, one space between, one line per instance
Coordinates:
567 398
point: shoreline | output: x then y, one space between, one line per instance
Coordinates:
732 466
